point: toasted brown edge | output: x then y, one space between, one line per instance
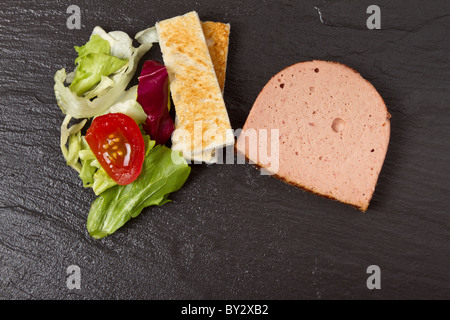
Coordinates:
292 183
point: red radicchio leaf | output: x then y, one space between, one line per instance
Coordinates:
153 96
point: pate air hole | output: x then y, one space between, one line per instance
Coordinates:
338 125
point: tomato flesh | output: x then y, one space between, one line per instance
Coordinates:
117 143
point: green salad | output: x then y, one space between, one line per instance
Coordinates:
117 146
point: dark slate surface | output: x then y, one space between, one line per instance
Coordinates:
231 233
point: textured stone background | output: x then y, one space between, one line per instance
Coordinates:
230 232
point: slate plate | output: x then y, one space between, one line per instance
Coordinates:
231 233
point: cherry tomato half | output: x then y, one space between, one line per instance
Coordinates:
118 145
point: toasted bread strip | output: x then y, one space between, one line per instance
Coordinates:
217 36
201 122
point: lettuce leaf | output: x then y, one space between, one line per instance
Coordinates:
164 171
94 63
73 135
128 105
96 44
110 88
92 174
91 68
149 35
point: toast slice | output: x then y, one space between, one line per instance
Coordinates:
217 37
202 124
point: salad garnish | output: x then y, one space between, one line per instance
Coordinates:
102 96
122 155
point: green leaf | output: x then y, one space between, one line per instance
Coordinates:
164 171
94 62
87 173
96 44
74 148
72 135
102 181
91 67
128 105
102 96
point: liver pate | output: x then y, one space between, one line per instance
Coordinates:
333 130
